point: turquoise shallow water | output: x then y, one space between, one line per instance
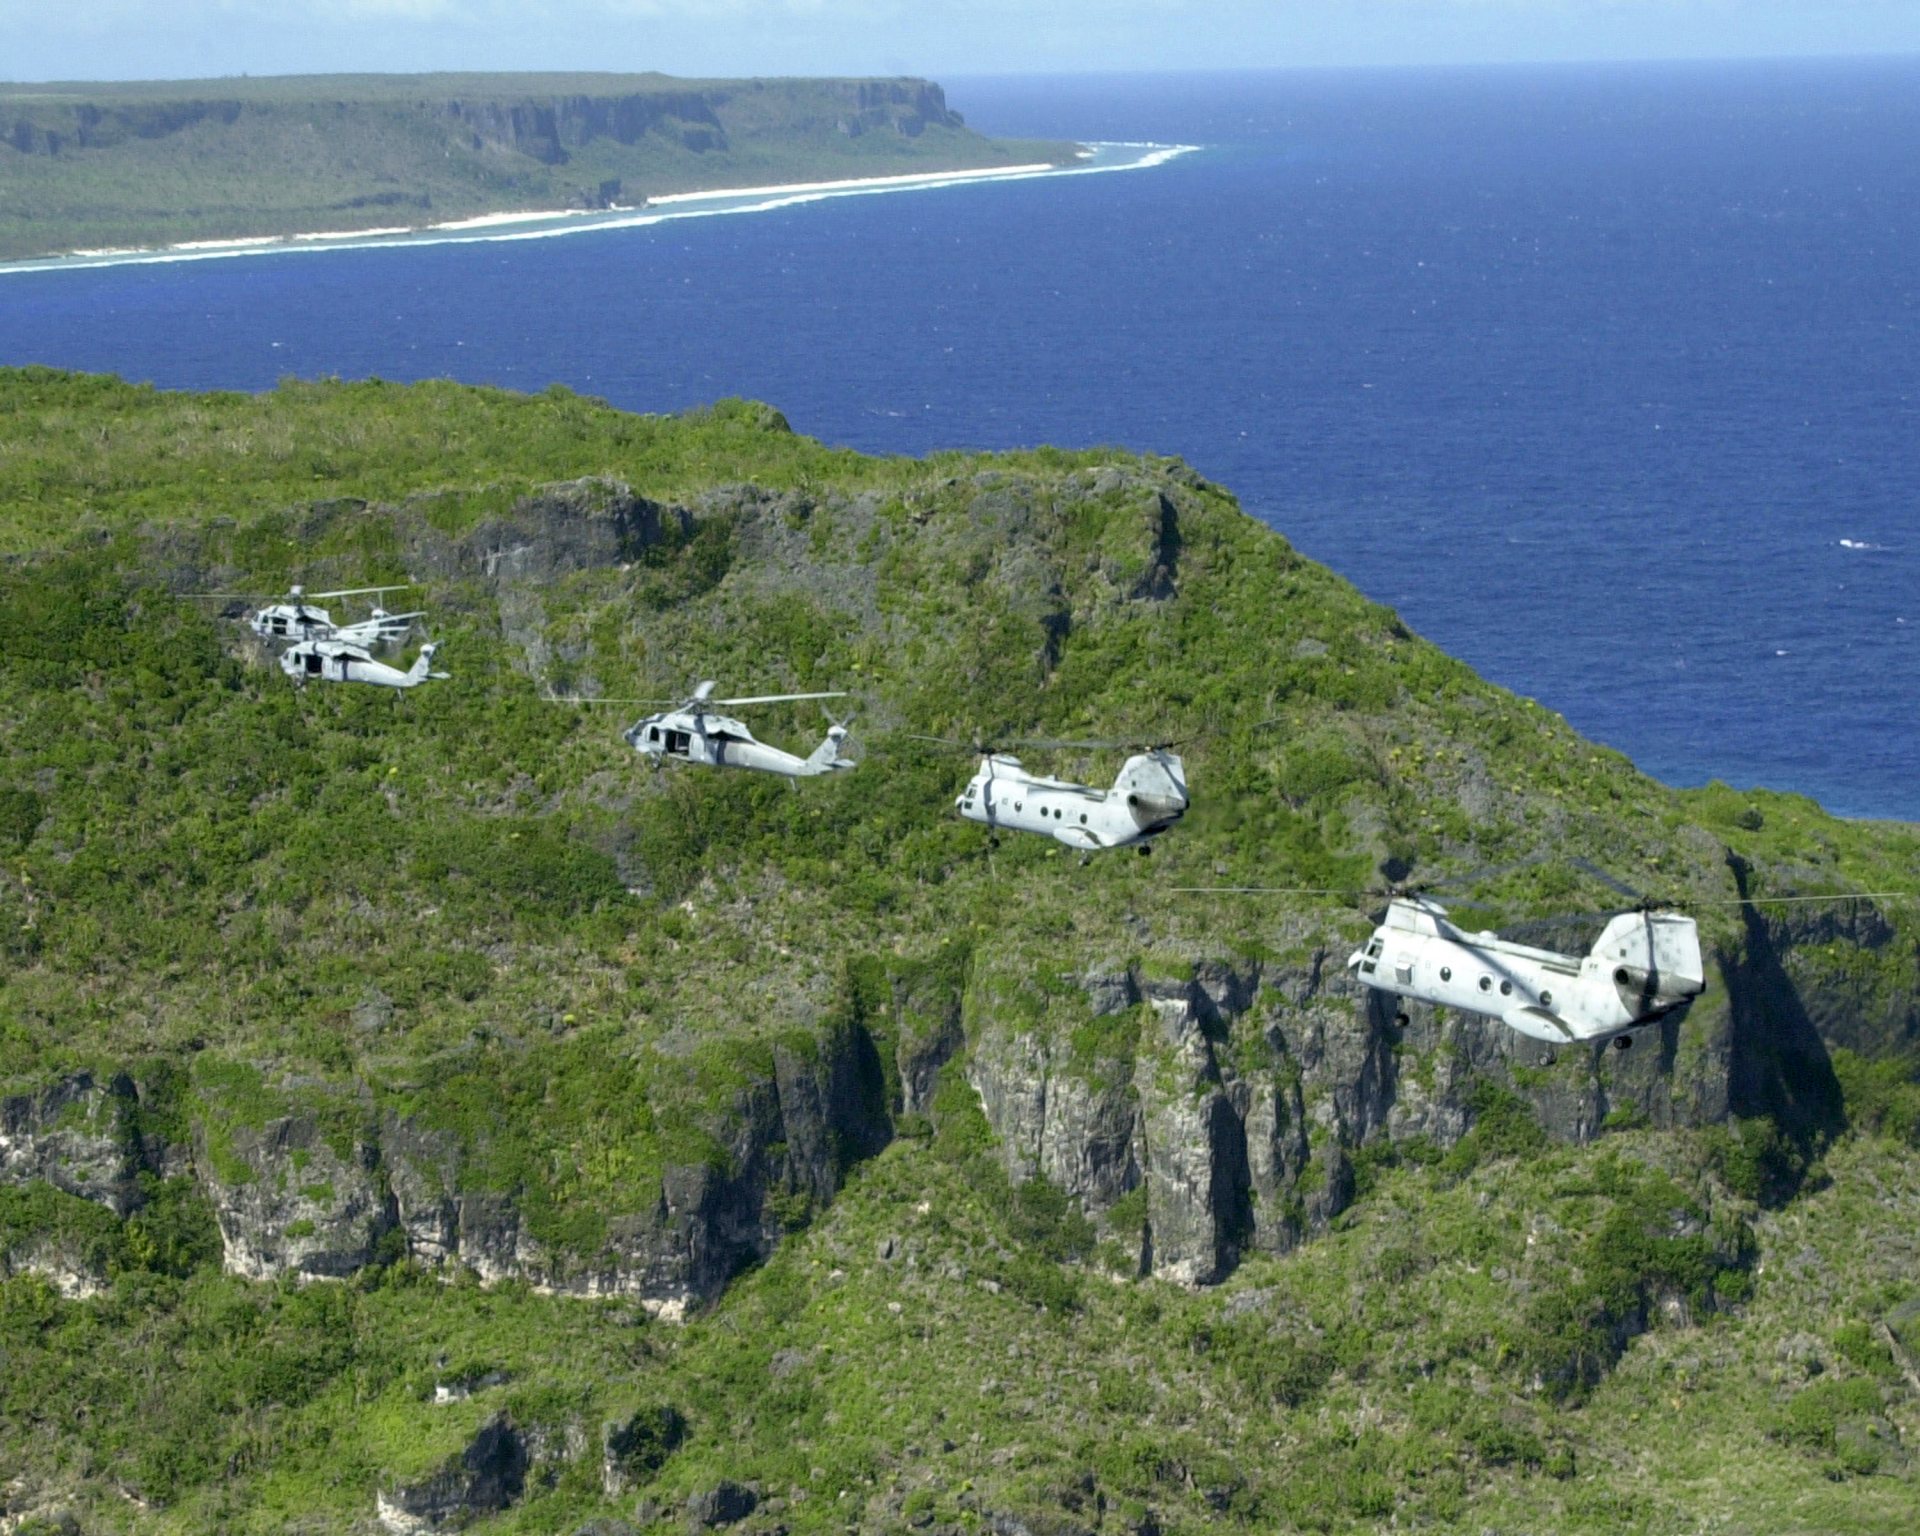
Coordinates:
1607 379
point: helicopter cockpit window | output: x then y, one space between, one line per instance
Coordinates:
653 734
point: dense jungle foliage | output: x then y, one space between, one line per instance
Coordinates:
471 907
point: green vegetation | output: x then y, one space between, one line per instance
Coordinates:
89 166
471 914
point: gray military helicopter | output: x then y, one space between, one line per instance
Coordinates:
691 730
1644 966
295 618
1147 797
341 661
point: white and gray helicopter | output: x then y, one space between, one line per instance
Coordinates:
1644 966
341 661
692 730
1147 797
296 618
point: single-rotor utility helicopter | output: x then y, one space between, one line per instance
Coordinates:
691 731
295 618
339 661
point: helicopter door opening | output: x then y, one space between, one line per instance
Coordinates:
312 659
679 743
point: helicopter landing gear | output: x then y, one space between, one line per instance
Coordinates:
1401 1021
1623 1042
1145 849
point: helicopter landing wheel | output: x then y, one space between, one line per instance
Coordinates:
1145 849
1623 1042
1401 1021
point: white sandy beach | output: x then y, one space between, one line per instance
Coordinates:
551 222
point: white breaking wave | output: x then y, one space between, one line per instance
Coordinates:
1104 157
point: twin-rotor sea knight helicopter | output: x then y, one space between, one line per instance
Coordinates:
1644 966
1147 797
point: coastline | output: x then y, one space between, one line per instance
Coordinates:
1097 158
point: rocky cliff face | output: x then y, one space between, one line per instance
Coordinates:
78 1134
549 129
1236 1097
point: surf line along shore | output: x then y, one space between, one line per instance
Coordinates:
1095 158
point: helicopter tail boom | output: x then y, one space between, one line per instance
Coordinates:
826 757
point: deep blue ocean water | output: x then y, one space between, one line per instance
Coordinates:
1608 379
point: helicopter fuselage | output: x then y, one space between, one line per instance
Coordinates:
338 661
298 621
1644 966
1148 797
720 741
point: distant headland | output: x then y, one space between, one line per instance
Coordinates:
133 165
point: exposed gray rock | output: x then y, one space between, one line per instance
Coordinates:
485 1478
77 1133
288 1201
726 1503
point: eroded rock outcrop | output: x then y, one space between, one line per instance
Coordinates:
78 1133
1236 1096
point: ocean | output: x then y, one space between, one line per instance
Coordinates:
1606 378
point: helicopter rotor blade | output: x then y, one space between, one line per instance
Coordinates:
766 698
356 591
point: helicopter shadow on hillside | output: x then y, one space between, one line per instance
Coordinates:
1779 1067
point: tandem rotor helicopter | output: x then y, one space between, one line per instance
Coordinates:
1644 967
691 730
1147 797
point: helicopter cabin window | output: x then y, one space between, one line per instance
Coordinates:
1083 818
1486 983
1506 989
1546 999
1446 973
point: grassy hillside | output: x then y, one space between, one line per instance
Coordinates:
296 924
115 165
